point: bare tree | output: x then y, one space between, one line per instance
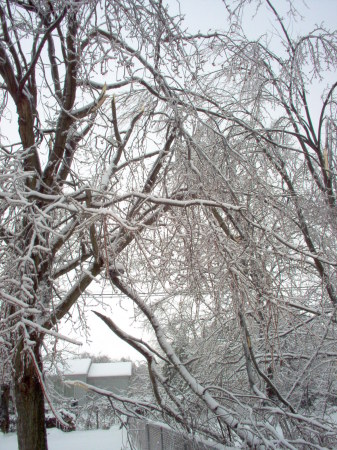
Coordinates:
76 173
211 186
245 319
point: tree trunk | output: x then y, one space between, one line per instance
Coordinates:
29 399
4 408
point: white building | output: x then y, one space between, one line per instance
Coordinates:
113 376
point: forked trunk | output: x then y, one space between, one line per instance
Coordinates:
29 399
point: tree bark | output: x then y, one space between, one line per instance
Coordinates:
4 408
29 399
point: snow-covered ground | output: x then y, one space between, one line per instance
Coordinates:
113 439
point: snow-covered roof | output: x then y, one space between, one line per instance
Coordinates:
114 369
76 366
84 366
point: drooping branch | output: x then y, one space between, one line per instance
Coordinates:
224 414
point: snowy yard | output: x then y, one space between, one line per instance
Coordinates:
113 439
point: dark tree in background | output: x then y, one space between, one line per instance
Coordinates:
4 407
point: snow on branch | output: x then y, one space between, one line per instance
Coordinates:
43 330
182 203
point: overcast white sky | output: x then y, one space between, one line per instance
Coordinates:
209 14
204 15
